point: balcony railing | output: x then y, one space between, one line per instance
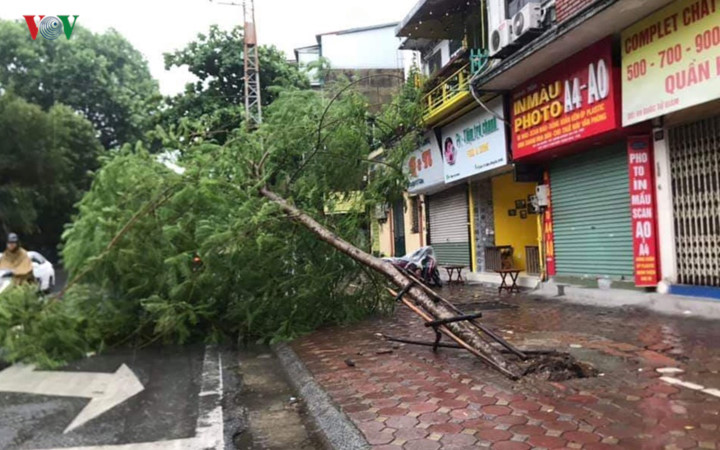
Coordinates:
451 91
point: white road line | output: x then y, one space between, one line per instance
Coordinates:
209 429
693 386
669 370
713 392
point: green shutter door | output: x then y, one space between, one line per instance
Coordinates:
591 213
449 232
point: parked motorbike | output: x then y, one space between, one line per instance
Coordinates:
421 263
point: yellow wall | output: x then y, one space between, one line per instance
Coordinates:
513 230
413 241
385 238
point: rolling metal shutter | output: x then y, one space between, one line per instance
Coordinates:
695 171
449 232
591 213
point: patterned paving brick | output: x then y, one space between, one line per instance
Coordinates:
494 435
464 414
410 433
512 420
422 444
379 437
401 422
392 412
434 418
547 441
414 398
527 430
453 404
581 437
525 406
510 445
445 428
424 407
496 410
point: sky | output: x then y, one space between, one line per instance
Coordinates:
158 26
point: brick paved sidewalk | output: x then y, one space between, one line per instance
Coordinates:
411 398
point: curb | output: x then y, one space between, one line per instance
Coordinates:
334 427
668 304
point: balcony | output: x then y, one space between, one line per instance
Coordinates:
448 98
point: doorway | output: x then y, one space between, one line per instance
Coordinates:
399 228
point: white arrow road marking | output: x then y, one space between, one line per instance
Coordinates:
105 390
209 431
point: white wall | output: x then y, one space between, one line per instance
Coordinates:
371 49
666 223
305 57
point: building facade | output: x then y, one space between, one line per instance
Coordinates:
368 54
610 165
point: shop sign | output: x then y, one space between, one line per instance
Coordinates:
548 234
671 60
475 143
642 208
424 166
574 100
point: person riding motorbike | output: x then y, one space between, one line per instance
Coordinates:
16 260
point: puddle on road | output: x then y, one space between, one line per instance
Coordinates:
274 420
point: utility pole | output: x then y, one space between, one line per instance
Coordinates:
253 104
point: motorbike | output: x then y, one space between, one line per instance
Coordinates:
5 279
421 263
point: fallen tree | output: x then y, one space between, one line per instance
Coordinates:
464 334
209 254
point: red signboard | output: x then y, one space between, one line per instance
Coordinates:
574 100
642 208
548 234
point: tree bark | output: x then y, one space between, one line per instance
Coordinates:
436 309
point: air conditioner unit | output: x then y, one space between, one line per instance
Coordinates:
500 39
527 22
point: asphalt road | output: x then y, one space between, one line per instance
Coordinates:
166 409
155 398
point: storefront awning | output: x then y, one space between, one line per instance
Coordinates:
436 19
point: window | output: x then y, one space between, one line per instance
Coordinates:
415 214
434 63
455 46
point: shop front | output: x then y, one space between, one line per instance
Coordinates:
675 83
472 148
402 227
567 121
497 216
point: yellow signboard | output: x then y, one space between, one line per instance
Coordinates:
671 60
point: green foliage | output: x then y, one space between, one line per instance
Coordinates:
260 276
100 75
45 162
47 333
216 100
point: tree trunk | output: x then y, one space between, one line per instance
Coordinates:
461 329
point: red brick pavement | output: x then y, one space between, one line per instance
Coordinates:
412 398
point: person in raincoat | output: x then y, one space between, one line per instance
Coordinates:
16 260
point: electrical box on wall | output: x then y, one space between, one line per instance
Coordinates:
542 193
